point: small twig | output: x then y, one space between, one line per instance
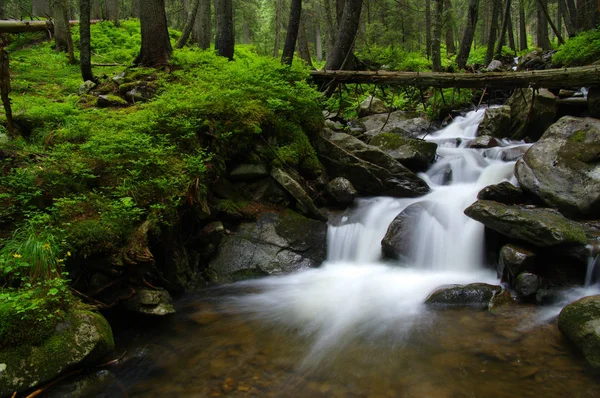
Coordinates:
113 362
109 65
83 296
481 99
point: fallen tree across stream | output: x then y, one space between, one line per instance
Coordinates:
585 76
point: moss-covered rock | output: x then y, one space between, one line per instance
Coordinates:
110 100
156 302
370 106
476 295
504 192
531 113
496 122
83 337
415 154
580 323
303 201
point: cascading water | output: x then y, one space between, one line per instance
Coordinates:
593 270
355 294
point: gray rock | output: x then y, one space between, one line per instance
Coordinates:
562 169
593 99
540 227
529 120
477 295
483 142
83 338
120 78
303 200
249 172
337 126
507 154
580 323
527 285
370 170
342 191
513 261
504 192
566 93
495 66
107 101
370 106
532 61
150 302
496 122
86 87
97 384
417 155
275 244
399 122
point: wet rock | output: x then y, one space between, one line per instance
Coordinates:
513 261
507 154
385 121
593 99
483 142
476 295
341 191
533 61
562 168
109 100
81 339
337 126
369 169
540 227
370 106
150 302
580 323
249 172
417 155
277 243
501 300
527 285
303 200
86 87
504 192
496 122
529 120
99 383
495 66
566 93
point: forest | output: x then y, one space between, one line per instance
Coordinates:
311 198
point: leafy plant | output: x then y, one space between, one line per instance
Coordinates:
580 50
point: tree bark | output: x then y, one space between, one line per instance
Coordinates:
189 25
469 34
5 91
587 14
303 49
562 7
449 25
62 29
2 13
113 11
225 40
156 45
278 12
346 34
541 26
523 45
428 28
547 15
331 29
436 37
291 37
511 34
202 30
40 8
489 55
97 10
572 13
318 38
503 30
85 48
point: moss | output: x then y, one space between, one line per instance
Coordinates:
579 136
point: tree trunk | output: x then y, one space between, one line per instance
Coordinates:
85 48
523 45
587 14
547 15
303 50
189 25
346 35
62 28
278 12
331 29
541 28
156 46
40 8
428 28
511 34
572 13
504 28
113 11
489 55
318 38
436 37
202 30
97 10
291 37
2 13
469 34
449 25
5 91
225 40
135 8
564 12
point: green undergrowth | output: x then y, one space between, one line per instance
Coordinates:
580 50
82 179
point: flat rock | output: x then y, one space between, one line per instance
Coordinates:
477 295
504 192
304 203
415 154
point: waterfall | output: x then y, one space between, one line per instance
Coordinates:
592 276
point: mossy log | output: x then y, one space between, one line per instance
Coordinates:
585 76
14 26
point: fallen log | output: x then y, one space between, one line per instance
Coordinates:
585 76
14 26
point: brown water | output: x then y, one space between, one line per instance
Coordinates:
210 350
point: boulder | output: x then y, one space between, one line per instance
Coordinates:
527 285
371 106
504 192
249 172
398 122
483 142
341 191
531 120
540 227
477 295
507 153
562 169
337 126
495 66
368 168
277 243
513 261
147 301
304 203
81 339
86 87
580 323
534 60
593 100
417 155
109 100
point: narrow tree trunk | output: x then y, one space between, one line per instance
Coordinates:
428 28
547 15
97 10
511 34
469 34
5 91
436 37
278 12
318 38
541 29
2 13
346 35
523 45
113 11
303 50
41 8
291 37
504 28
587 14
156 46
562 7
449 25
189 25
202 30
225 40
62 28
85 52
331 29
493 31
572 13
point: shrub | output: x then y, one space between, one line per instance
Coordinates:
582 49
